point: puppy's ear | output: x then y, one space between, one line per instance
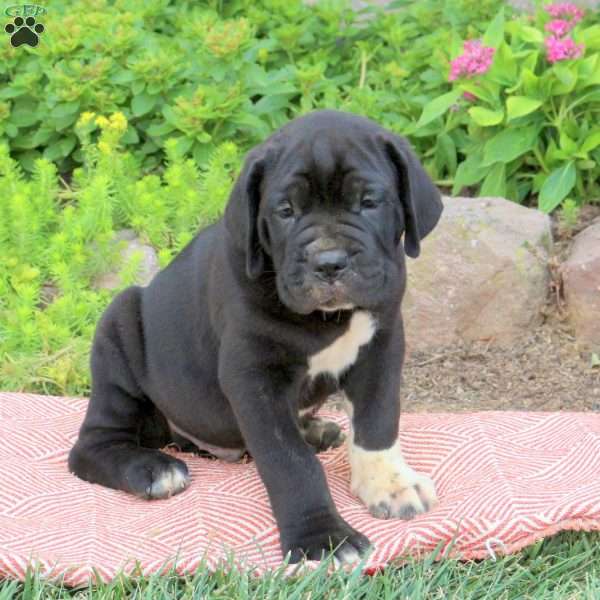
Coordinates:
241 214
419 197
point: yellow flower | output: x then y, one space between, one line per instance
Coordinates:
104 147
102 122
86 117
119 122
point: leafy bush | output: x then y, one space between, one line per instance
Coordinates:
59 238
192 86
185 71
175 70
205 73
529 121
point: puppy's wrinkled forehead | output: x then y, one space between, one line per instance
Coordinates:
329 151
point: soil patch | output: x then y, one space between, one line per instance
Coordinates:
545 371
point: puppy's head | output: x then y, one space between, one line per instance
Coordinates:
323 203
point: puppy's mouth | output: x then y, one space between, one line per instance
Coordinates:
331 297
334 305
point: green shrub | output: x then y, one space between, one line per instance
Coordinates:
525 126
60 236
202 73
191 86
187 71
175 70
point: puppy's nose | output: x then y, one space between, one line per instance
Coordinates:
330 264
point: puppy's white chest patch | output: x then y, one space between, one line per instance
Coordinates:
342 353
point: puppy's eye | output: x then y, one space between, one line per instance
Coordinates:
285 211
368 203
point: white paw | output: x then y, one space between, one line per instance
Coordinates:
388 486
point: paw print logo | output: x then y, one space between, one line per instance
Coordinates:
24 31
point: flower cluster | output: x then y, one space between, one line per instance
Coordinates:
559 27
565 16
476 59
562 49
565 9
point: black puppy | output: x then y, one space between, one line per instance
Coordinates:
294 293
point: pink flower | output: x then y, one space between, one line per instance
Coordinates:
469 97
476 59
565 9
559 27
562 49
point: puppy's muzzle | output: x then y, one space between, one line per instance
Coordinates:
330 265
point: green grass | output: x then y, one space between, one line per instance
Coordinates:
565 566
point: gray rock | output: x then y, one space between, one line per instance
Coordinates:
581 285
149 265
482 275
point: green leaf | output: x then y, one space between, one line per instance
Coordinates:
567 144
137 87
160 129
565 78
64 109
12 92
437 107
24 113
531 34
143 104
253 123
485 117
556 187
590 36
488 91
469 172
519 106
67 144
504 66
509 144
202 153
495 182
590 142
27 159
24 141
11 130
42 135
54 151
589 71
130 136
61 123
170 115
184 145
495 32
122 76
530 81
271 103
446 152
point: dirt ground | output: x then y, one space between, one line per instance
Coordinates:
544 371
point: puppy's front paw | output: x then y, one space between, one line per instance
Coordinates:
320 537
388 486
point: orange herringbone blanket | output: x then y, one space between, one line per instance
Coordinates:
505 479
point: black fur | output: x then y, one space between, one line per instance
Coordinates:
219 342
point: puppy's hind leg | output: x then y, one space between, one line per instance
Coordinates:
108 451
